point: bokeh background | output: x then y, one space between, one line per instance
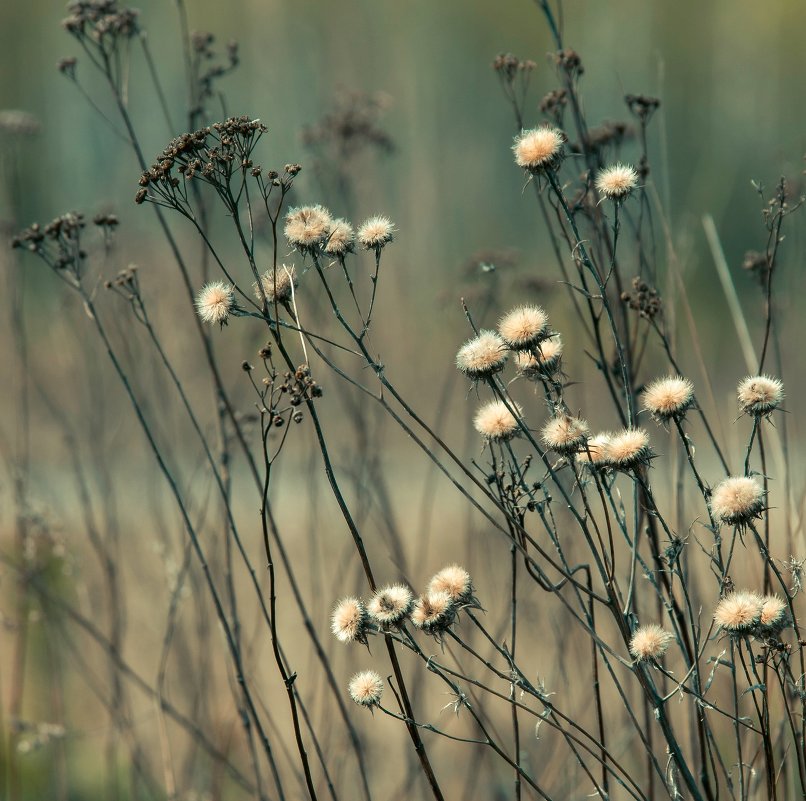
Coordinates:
730 76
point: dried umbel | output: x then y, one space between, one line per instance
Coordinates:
215 302
539 149
340 239
349 621
616 182
496 422
375 233
628 448
455 581
482 356
565 434
277 286
543 361
391 604
739 612
650 642
433 612
737 500
307 227
366 688
760 395
668 398
524 327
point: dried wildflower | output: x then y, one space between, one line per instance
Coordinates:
650 642
433 612
738 612
644 299
760 395
455 581
349 621
596 452
277 286
366 688
737 500
543 361
214 302
389 605
340 238
539 149
524 327
628 448
495 422
668 398
774 615
616 182
482 356
307 227
375 233
565 434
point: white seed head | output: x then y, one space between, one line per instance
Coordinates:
214 302
375 233
524 327
390 604
453 580
738 612
340 238
617 182
669 397
307 227
366 688
737 500
495 422
628 448
482 356
539 148
349 621
760 394
650 642
595 452
543 361
565 434
277 286
433 612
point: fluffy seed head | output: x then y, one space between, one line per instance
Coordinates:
650 642
307 227
214 302
628 448
524 327
277 287
539 148
495 422
543 362
433 612
349 621
760 394
738 612
774 614
453 580
596 452
391 604
565 434
366 688
617 182
737 500
668 397
482 356
340 238
375 233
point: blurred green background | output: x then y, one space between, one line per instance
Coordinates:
730 75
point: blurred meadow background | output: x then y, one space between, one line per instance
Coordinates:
77 473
